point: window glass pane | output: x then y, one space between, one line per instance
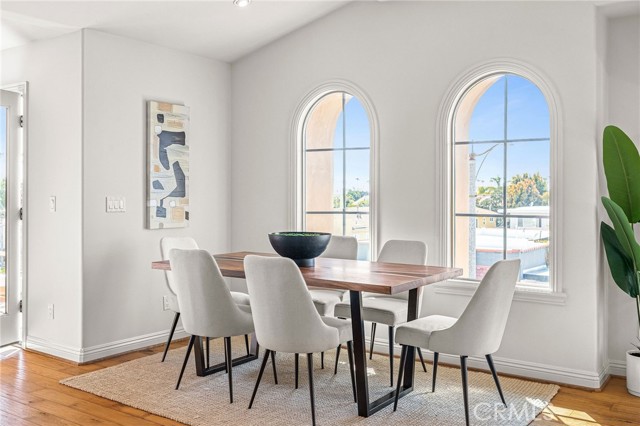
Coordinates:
478 244
357 180
323 180
331 223
528 240
3 197
357 225
337 179
528 178
527 110
357 132
322 123
479 178
487 119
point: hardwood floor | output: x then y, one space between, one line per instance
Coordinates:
30 395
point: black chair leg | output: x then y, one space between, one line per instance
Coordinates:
173 329
373 338
352 369
264 364
186 358
322 360
226 361
227 347
273 363
311 393
403 361
391 330
246 343
208 346
297 357
335 370
424 367
435 370
495 378
465 387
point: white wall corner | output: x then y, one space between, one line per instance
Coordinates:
93 353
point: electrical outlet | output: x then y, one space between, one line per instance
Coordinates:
165 303
50 312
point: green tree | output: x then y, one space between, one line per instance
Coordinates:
525 190
492 195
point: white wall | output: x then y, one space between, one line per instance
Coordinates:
623 110
122 296
405 55
54 157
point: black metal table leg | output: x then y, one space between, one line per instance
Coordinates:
359 352
366 408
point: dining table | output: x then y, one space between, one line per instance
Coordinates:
356 277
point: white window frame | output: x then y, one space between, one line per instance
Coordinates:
444 135
297 153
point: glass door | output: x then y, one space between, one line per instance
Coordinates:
10 216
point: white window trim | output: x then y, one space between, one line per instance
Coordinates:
296 153
444 133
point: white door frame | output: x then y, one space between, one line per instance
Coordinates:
23 88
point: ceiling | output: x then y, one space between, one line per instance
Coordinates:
214 28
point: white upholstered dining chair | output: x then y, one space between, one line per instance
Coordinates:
286 319
187 243
478 331
325 299
390 310
206 304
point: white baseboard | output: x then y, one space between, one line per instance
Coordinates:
617 368
531 370
92 353
50 348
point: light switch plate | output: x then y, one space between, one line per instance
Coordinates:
115 204
52 204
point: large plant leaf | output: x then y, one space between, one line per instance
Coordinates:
623 231
620 264
622 169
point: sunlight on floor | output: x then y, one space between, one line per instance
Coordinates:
8 351
565 416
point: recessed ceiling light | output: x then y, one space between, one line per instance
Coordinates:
242 3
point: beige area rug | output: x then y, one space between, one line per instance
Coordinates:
148 384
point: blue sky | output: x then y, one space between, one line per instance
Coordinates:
527 118
356 135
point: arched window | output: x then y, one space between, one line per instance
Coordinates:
335 182
501 178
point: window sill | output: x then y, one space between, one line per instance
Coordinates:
522 294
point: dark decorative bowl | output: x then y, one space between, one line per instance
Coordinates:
301 247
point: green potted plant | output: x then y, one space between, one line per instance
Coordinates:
622 170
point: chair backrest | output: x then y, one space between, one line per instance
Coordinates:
480 328
342 248
403 251
206 306
284 315
169 243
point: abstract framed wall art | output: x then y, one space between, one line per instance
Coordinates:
168 166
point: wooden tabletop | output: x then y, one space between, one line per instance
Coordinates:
374 277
